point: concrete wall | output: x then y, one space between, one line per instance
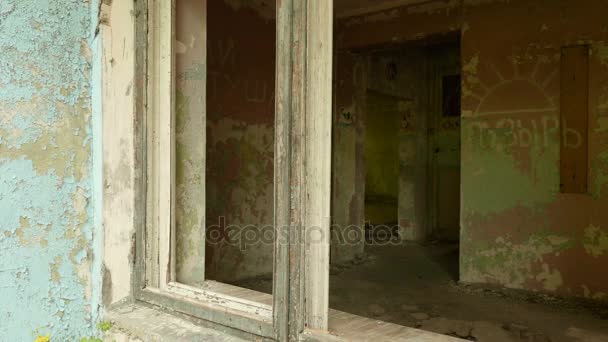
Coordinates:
517 229
348 174
49 170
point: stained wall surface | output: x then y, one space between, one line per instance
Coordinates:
517 228
348 174
240 141
49 170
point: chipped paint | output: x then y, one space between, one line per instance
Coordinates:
595 241
235 193
241 196
517 228
514 264
469 70
46 189
519 231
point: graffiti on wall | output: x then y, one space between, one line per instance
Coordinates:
223 75
522 131
531 122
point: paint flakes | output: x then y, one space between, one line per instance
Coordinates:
551 279
45 134
514 265
595 241
55 275
469 70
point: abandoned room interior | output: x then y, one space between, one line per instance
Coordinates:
467 163
311 170
406 151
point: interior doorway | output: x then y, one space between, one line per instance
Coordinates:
399 126
396 172
444 139
381 155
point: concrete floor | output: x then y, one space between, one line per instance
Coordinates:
415 285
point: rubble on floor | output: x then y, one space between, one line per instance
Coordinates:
416 285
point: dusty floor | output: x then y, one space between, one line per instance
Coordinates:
423 293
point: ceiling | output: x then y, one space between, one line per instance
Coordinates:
349 8
343 8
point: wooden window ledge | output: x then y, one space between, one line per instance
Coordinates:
140 322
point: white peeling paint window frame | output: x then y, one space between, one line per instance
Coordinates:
155 281
299 310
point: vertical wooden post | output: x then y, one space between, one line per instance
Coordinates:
140 273
166 115
283 166
303 164
319 52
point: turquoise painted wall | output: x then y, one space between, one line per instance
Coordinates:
49 175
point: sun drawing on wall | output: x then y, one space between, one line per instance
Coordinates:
515 95
513 88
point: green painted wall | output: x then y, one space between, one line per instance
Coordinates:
519 230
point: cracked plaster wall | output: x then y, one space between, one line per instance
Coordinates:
48 187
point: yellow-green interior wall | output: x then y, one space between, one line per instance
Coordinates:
381 158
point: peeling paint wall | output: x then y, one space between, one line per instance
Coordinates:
517 229
240 142
48 189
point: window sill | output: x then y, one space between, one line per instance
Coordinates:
142 323
139 322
